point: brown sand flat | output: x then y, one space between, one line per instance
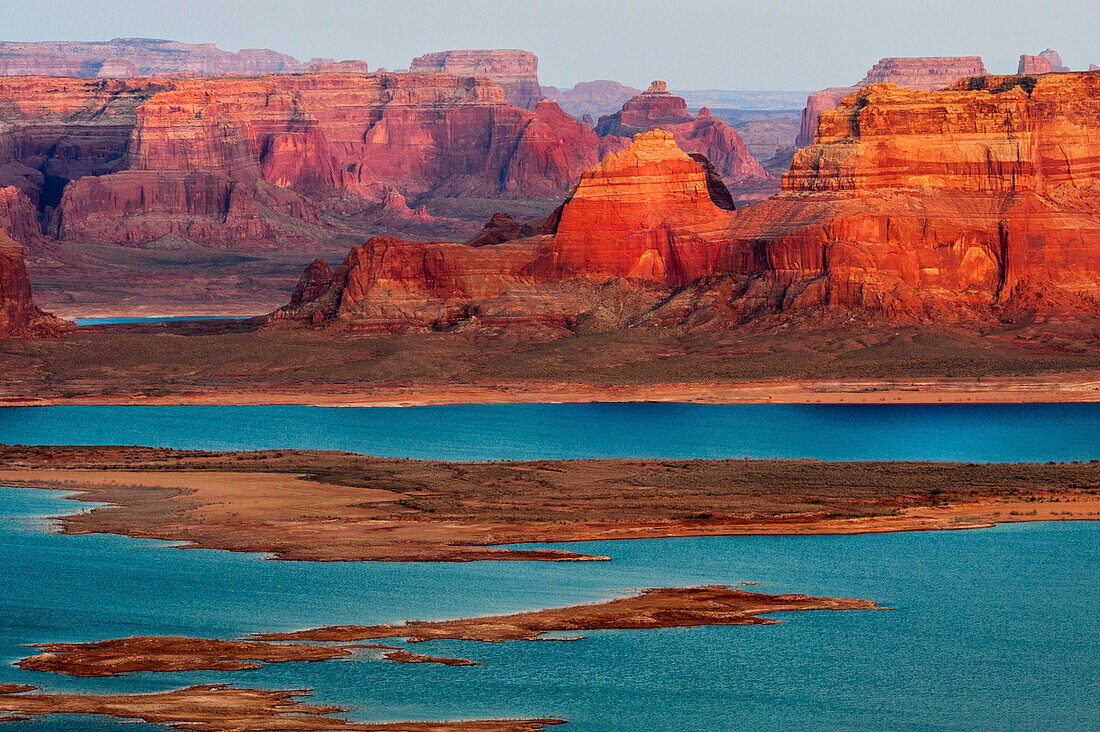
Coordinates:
220 708
407 657
681 607
143 653
219 362
325 506
173 653
653 608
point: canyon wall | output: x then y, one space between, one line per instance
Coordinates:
918 74
976 203
127 57
248 161
18 314
981 198
513 70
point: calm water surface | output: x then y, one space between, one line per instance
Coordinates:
980 433
992 629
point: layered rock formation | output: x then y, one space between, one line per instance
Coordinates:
657 108
644 215
18 314
595 98
246 161
1046 62
978 198
645 212
126 57
1034 65
513 70
978 202
918 74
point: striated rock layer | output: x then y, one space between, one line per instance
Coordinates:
18 314
919 74
978 202
644 212
126 57
246 161
513 70
656 107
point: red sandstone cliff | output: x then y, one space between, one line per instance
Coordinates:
513 70
644 212
656 107
126 57
18 315
247 161
918 74
944 205
978 202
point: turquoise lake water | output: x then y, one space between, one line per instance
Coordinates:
979 433
991 629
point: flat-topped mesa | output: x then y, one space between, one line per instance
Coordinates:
990 134
127 57
1034 65
514 70
657 108
353 66
644 212
244 162
922 73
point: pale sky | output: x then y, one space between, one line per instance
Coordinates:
692 44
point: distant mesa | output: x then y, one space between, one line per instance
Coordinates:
917 73
128 57
657 108
513 70
1055 60
338 67
1046 62
594 98
1034 65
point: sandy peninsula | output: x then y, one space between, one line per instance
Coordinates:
326 506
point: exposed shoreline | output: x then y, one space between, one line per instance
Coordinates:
323 506
662 607
989 390
221 708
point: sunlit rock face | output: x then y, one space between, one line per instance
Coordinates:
924 73
975 203
657 108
